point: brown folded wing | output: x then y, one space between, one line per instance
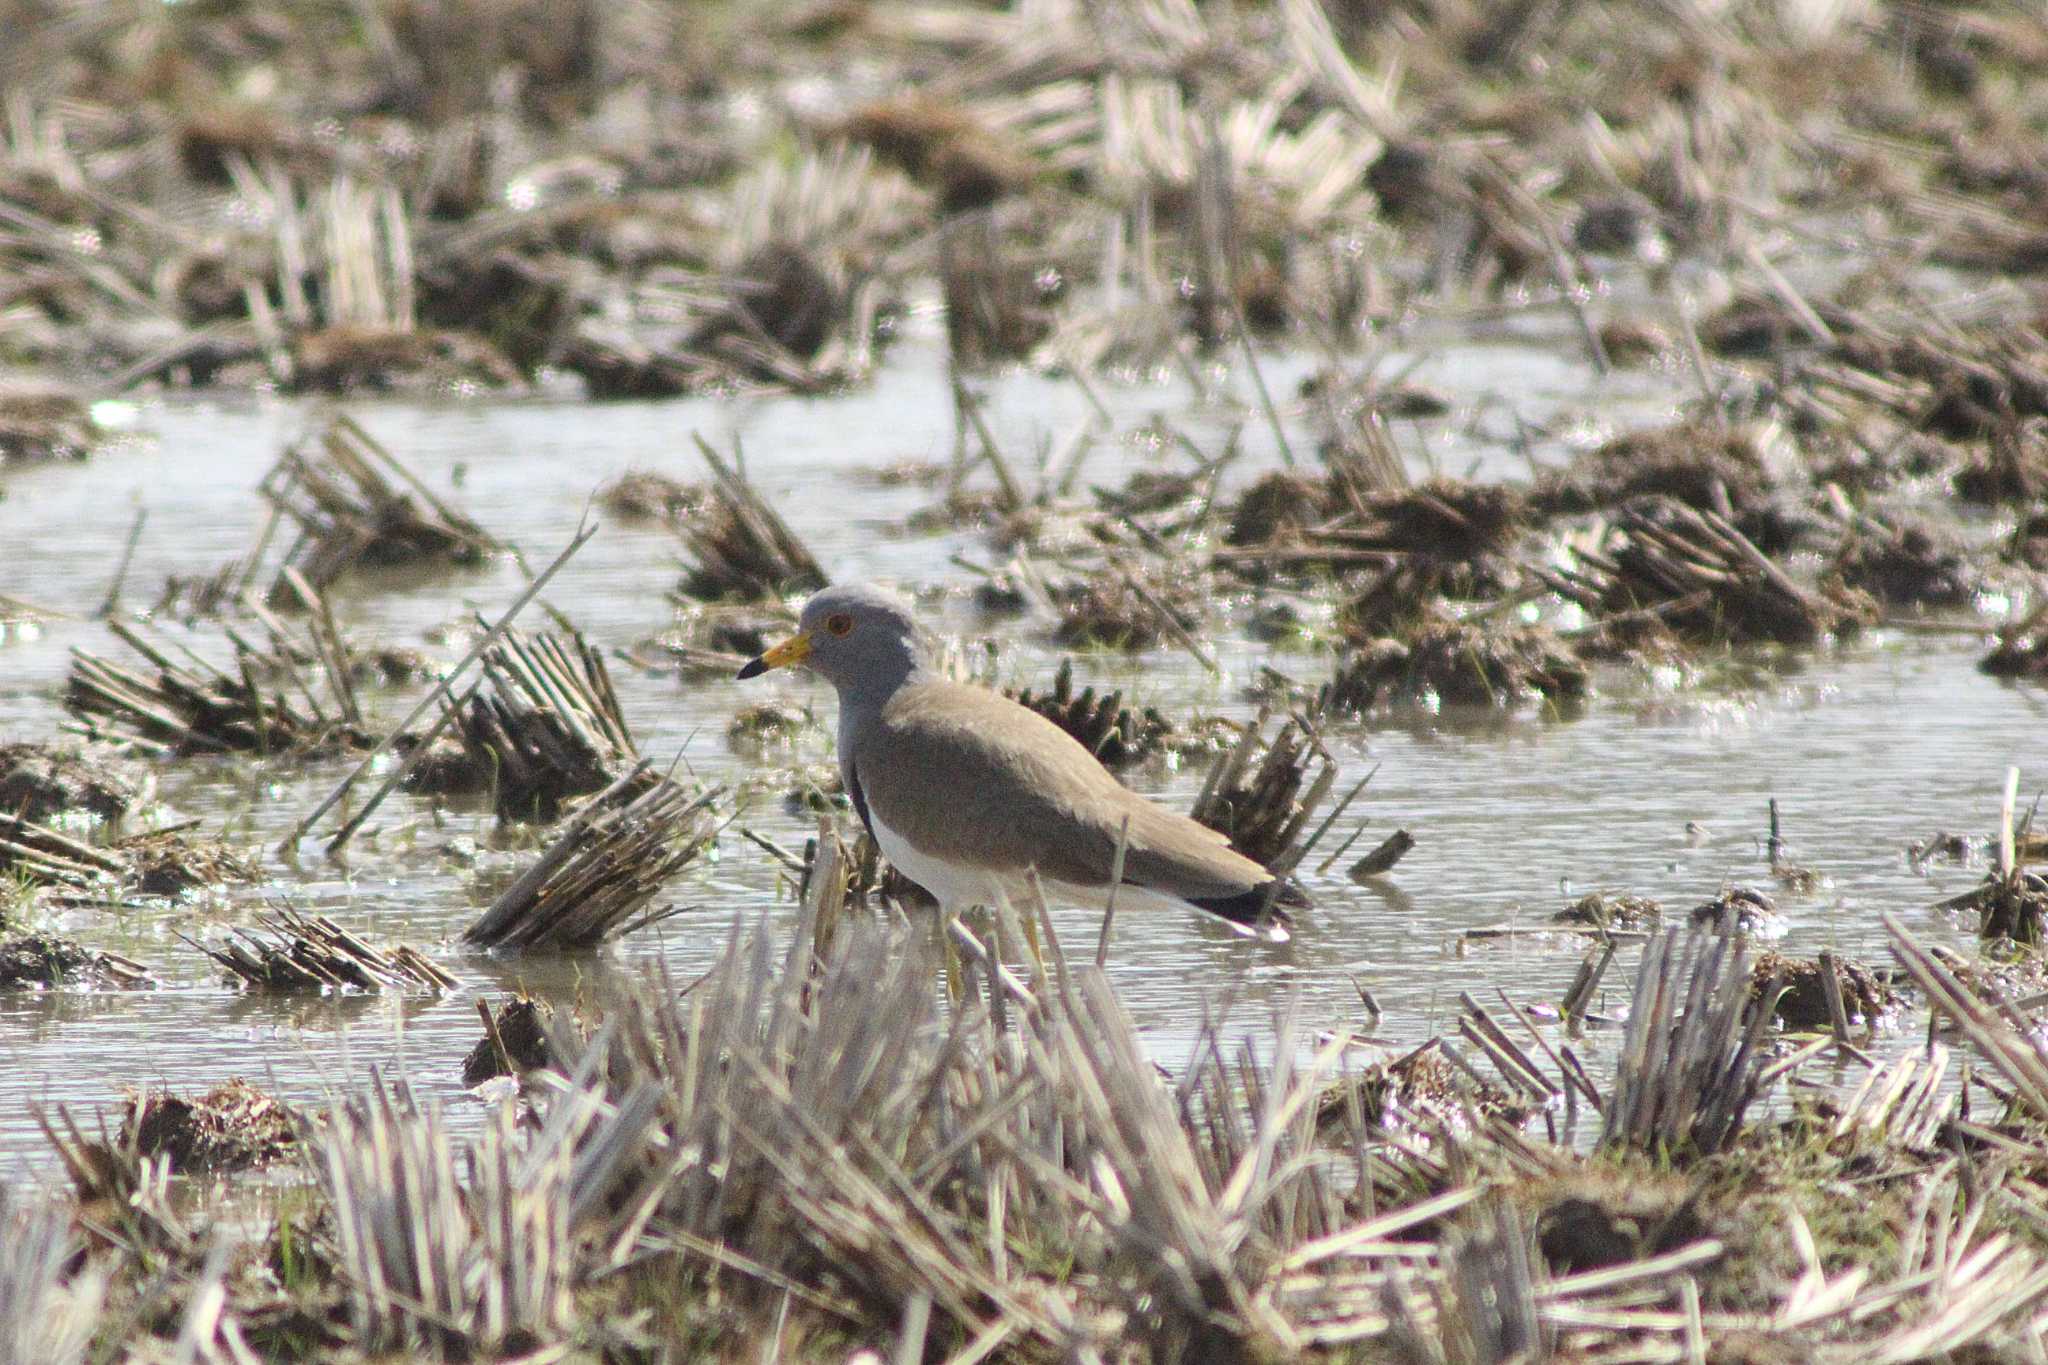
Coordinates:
971 777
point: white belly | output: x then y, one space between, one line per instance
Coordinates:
957 886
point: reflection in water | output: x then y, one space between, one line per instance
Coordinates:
1506 807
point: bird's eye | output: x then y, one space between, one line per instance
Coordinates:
839 623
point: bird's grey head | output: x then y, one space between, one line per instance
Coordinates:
860 638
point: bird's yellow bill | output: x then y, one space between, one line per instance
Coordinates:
794 650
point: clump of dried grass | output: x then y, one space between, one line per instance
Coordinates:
1261 793
355 505
1704 579
601 873
543 727
452 1246
194 707
741 550
1693 1060
42 856
297 952
1116 734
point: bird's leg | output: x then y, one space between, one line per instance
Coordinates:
956 987
1008 927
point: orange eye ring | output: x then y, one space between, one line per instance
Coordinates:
839 623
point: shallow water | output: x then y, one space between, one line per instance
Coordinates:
1867 749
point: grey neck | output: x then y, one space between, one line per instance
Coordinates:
879 678
863 697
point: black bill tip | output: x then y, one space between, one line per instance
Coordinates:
753 668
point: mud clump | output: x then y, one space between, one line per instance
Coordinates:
518 1036
1595 1226
1804 1002
1700 463
1112 609
46 962
942 144
1705 580
39 782
2028 544
779 295
233 1127
167 864
1741 910
1281 504
41 428
2012 469
1597 910
641 495
2021 651
1422 1092
350 359
1118 735
1457 663
1907 565
1446 519
766 725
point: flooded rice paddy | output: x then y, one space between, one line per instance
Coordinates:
1658 786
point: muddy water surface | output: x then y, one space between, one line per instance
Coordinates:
1653 788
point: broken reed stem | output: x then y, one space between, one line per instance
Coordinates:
1831 988
2008 855
112 601
968 404
441 689
1116 879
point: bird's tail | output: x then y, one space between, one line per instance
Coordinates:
1261 912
